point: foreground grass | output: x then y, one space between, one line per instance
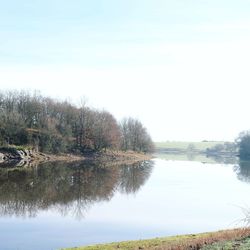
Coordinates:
182 242
240 244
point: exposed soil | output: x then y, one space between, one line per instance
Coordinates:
23 158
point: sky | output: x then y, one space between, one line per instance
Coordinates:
181 67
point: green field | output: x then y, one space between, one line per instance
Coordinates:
185 157
200 146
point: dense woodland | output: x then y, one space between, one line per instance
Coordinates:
48 125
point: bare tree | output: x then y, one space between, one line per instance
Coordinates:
135 136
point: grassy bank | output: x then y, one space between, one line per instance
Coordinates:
182 242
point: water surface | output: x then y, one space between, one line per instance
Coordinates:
64 205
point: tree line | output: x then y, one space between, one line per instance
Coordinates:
54 126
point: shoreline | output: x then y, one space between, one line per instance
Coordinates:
112 158
179 242
23 157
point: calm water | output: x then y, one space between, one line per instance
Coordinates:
55 205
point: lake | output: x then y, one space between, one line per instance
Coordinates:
57 205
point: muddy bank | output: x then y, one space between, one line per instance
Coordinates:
10 157
111 158
25 157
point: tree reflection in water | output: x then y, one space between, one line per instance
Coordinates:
132 178
242 170
69 188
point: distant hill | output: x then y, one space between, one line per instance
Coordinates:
187 146
216 149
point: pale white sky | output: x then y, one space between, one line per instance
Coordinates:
181 68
